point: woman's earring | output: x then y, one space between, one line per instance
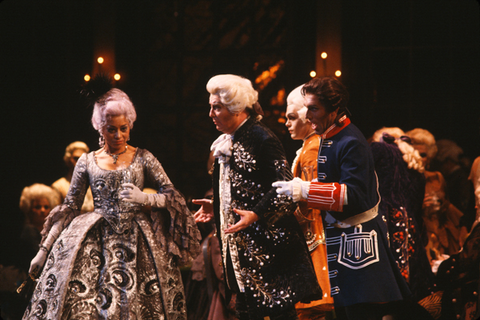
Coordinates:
101 141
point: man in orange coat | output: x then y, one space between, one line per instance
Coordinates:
305 167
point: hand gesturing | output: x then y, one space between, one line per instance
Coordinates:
247 217
205 213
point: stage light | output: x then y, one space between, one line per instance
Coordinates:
313 74
116 76
338 73
100 60
86 77
323 55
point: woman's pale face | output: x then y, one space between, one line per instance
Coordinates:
116 132
297 124
39 211
224 120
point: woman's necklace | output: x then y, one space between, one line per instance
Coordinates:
115 156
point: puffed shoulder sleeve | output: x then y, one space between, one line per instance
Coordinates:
174 226
73 201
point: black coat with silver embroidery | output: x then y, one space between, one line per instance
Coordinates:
274 260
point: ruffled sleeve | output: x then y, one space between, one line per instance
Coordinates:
174 226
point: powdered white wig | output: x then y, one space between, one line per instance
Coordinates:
410 154
297 101
72 147
113 103
393 131
235 92
35 192
422 136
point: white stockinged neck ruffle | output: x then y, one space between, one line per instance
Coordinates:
222 148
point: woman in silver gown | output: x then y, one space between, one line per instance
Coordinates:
115 262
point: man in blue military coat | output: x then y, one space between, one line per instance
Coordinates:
363 274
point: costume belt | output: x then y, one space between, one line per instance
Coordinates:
358 218
352 221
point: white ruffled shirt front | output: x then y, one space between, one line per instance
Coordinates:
222 150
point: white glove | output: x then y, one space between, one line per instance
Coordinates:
131 193
39 260
296 188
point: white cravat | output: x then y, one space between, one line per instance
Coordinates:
222 148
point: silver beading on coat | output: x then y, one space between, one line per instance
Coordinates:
243 159
266 294
246 188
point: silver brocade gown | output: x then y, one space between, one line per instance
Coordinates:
116 262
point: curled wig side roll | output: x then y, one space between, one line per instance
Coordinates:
236 93
37 191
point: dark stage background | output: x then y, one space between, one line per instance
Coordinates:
406 63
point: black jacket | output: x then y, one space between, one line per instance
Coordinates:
275 264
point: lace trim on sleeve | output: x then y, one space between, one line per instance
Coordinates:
182 238
174 225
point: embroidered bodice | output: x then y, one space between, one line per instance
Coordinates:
117 262
106 186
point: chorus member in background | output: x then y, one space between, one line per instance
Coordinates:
441 219
73 152
402 187
36 202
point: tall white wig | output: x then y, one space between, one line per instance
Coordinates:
113 103
296 100
235 92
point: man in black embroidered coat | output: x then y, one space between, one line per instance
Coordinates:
265 256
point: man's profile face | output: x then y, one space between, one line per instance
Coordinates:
318 115
224 120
